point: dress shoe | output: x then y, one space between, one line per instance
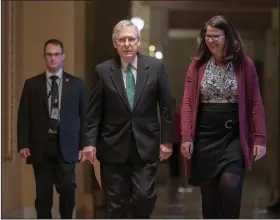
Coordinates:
275 208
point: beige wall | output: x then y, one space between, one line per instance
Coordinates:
36 22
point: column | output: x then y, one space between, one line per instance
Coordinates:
159 30
158 38
101 17
143 12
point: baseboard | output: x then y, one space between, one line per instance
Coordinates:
29 212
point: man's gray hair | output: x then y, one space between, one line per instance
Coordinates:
122 24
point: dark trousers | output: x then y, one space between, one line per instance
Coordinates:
174 163
129 187
53 171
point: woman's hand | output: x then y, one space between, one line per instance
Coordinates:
187 149
259 151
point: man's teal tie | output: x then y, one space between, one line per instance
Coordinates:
130 85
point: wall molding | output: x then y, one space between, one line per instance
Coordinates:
10 77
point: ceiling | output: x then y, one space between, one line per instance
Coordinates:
244 14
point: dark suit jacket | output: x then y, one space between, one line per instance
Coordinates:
33 117
251 110
109 120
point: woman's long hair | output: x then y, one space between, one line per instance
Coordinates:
234 49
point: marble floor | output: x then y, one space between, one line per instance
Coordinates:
178 202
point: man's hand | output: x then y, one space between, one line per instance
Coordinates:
187 149
80 155
259 151
165 151
88 153
24 153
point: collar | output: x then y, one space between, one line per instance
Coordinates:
212 62
133 63
58 74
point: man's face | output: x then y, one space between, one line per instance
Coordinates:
127 43
54 57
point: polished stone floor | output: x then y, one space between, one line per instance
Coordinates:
175 201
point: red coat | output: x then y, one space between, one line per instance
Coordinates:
251 110
177 122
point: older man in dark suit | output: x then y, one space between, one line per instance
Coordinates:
121 124
51 108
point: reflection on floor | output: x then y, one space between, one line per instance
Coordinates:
175 202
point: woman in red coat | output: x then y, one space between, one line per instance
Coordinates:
222 119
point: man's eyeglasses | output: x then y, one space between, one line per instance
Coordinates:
53 54
130 40
214 37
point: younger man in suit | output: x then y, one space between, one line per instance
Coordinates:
50 116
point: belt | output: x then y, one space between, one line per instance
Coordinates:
230 123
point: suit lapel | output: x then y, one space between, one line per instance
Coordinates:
65 88
42 89
142 76
117 79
